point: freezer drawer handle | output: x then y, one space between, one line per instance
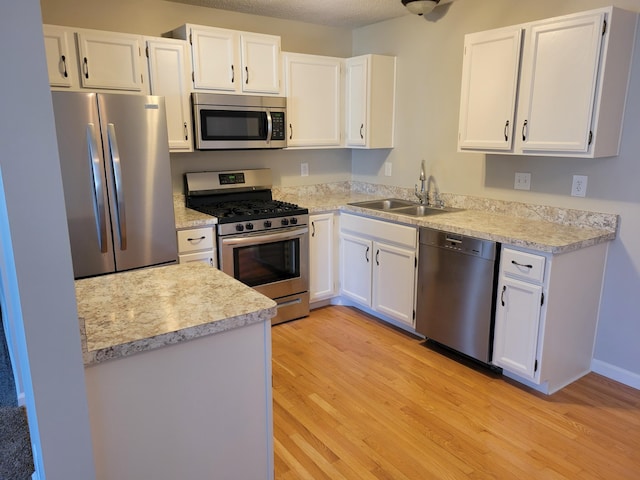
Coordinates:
121 219
99 210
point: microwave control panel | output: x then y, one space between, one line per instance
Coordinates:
277 120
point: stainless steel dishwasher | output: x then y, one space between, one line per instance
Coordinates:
456 290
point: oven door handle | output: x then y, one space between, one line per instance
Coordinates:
260 237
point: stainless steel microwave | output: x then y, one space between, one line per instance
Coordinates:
229 122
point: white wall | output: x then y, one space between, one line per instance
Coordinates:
429 61
36 277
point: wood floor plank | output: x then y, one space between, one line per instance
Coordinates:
356 399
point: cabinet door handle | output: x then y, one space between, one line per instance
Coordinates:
361 133
313 229
233 74
524 130
85 68
366 254
506 131
64 66
521 264
377 254
196 239
290 131
246 71
186 131
504 288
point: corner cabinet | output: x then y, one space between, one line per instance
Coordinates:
168 60
573 78
313 86
378 267
322 258
546 315
232 61
370 86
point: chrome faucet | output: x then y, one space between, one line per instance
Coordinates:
422 195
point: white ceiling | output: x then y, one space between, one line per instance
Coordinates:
337 13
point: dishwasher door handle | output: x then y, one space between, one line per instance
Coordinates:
456 239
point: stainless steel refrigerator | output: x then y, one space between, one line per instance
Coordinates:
114 157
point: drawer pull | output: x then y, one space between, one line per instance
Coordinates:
521 264
196 239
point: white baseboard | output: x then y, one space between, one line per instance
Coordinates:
616 373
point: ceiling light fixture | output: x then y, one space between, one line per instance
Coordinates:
420 7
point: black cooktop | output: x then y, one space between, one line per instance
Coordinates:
243 210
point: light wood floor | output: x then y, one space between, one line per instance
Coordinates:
357 399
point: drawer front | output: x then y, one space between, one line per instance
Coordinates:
195 239
205 257
527 266
390 232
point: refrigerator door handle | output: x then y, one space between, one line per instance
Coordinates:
121 220
98 188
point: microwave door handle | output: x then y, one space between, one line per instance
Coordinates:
269 127
121 219
98 188
258 238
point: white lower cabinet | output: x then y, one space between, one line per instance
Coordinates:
378 266
546 315
197 245
322 257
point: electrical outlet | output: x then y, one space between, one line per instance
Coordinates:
304 169
579 186
387 169
523 181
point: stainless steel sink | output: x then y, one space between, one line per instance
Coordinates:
423 210
403 207
386 204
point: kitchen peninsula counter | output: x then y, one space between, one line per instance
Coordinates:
129 312
178 374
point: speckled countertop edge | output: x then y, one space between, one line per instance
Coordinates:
537 227
125 313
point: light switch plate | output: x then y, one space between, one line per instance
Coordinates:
304 169
579 186
523 181
387 169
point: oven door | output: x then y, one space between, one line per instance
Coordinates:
276 263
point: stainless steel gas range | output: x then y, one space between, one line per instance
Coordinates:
262 242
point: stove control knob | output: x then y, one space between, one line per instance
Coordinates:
249 226
267 223
285 221
294 221
239 228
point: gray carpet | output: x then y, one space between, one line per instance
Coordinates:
16 459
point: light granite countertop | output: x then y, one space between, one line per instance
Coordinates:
542 228
124 313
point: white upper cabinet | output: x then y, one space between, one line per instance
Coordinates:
370 86
169 64
260 63
61 58
313 87
489 85
572 88
232 61
110 60
559 78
